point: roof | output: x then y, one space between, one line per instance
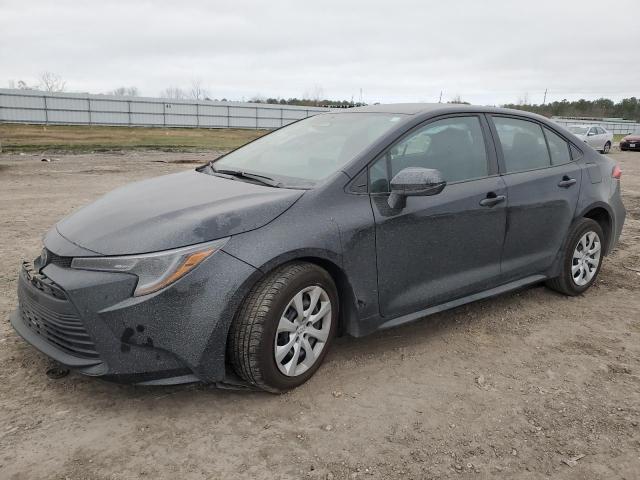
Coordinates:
406 108
422 108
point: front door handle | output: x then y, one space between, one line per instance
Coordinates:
492 199
566 182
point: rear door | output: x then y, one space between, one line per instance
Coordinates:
543 184
593 138
604 137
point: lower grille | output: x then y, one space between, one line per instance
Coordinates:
60 326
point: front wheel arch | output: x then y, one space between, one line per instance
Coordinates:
250 346
348 302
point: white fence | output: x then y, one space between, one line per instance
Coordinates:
612 126
31 106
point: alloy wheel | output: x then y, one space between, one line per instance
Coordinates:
586 258
302 331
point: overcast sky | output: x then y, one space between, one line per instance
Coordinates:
488 52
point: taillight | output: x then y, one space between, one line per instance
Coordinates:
617 173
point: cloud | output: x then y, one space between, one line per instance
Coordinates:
487 52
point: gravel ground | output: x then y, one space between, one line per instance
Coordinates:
526 385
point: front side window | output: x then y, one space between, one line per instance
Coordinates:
311 149
558 148
523 144
454 146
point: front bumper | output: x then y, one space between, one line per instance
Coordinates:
627 145
90 322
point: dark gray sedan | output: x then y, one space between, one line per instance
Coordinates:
244 270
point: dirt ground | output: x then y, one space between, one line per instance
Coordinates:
510 387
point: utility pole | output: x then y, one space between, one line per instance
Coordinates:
544 101
440 99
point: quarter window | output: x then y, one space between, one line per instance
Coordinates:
454 146
558 148
523 144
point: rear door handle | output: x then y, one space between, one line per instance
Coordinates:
566 182
492 200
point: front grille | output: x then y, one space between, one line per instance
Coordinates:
60 327
58 260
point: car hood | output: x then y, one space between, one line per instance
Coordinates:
173 211
632 138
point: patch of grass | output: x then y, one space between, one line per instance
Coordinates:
81 138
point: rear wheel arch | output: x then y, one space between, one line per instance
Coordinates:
604 218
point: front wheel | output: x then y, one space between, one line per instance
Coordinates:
582 258
285 327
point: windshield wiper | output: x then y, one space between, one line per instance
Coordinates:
251 176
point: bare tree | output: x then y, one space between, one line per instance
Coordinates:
197 91
125 92
51 82
457 99
173 92
524 100
22 85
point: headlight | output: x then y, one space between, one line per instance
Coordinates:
154 270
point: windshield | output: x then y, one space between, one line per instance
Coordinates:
578 130
311 149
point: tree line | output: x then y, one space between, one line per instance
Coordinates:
627 108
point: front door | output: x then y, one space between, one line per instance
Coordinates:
445 246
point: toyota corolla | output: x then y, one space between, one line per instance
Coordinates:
245 269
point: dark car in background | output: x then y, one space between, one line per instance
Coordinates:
631 141
245 269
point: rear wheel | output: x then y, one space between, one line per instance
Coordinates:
582 259
285 327
607 147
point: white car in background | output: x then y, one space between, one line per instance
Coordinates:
596 136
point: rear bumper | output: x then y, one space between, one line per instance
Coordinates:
93 324
619 215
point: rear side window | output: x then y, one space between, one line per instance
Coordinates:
576 153
455 146
523 144
558 148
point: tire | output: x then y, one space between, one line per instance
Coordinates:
256 334
607 148
574 283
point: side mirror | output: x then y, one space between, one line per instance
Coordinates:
591 133
414 182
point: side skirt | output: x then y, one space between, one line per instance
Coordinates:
507 287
